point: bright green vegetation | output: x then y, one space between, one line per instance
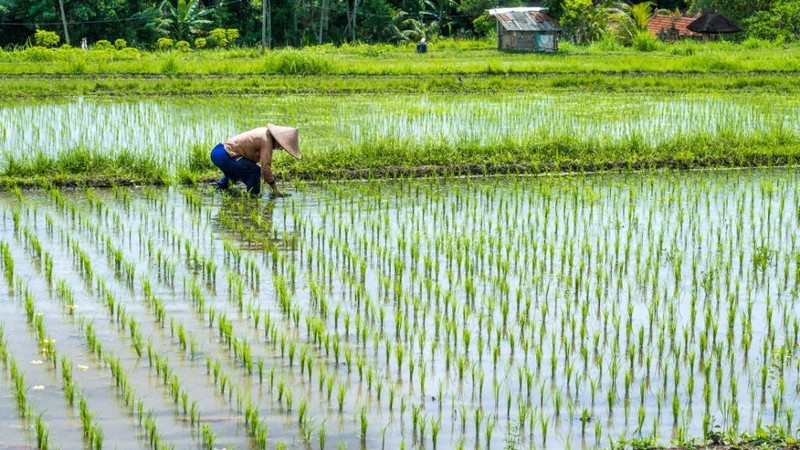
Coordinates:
518 311
188 85
385 111
455 67
446 57
167 140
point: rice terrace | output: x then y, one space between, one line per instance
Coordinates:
594 248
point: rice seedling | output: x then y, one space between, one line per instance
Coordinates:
208 436
363 422
42 433
648 356
340 393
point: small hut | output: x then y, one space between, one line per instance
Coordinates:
713 24
525 29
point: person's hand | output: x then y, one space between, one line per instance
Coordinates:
274 195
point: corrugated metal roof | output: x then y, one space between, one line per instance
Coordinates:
516 8
524 19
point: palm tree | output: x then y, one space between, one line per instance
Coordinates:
184 19
402 28
641 13
631 20
438 15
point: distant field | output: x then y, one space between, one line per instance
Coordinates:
435 310
163 140
103 117
446 57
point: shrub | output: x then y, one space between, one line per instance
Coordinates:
103 44
781 22
169 66
220 37
78 65
44 38
297 62
684 47
200 43
119 44
643 41
183 46
164 43
483 25
753 43
608 43
126 54
217 37
39 54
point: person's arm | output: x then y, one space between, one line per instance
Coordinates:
265 159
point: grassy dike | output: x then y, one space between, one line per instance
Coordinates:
450 67
396 159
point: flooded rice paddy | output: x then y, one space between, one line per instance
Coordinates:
331 122
509 312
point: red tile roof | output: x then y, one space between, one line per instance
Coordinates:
660 22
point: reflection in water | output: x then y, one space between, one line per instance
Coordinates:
248 220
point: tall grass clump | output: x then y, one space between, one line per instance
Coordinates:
297 62
643 41
85 162
198 162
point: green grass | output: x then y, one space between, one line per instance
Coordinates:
394 158
137 85
84 166
592 91
444 57
450 66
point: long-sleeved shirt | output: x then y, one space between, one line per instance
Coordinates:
255 145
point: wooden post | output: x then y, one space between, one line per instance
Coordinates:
64 21
266 25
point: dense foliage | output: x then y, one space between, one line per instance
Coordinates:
141 23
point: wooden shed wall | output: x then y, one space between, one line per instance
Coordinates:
526 40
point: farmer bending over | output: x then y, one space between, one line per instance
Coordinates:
237 157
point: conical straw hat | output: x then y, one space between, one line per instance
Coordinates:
287 138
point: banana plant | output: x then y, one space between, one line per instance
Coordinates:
184 18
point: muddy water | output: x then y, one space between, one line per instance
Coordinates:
545 312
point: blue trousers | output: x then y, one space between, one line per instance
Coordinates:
241 169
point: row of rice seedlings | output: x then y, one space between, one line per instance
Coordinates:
629 352
241 348
170 380
567 346
314 327
428 118
173 384
8 262
20 388
126 391
92 432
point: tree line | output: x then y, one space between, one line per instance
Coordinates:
296 23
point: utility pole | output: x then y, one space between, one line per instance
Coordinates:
266 25
353 29
64 21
